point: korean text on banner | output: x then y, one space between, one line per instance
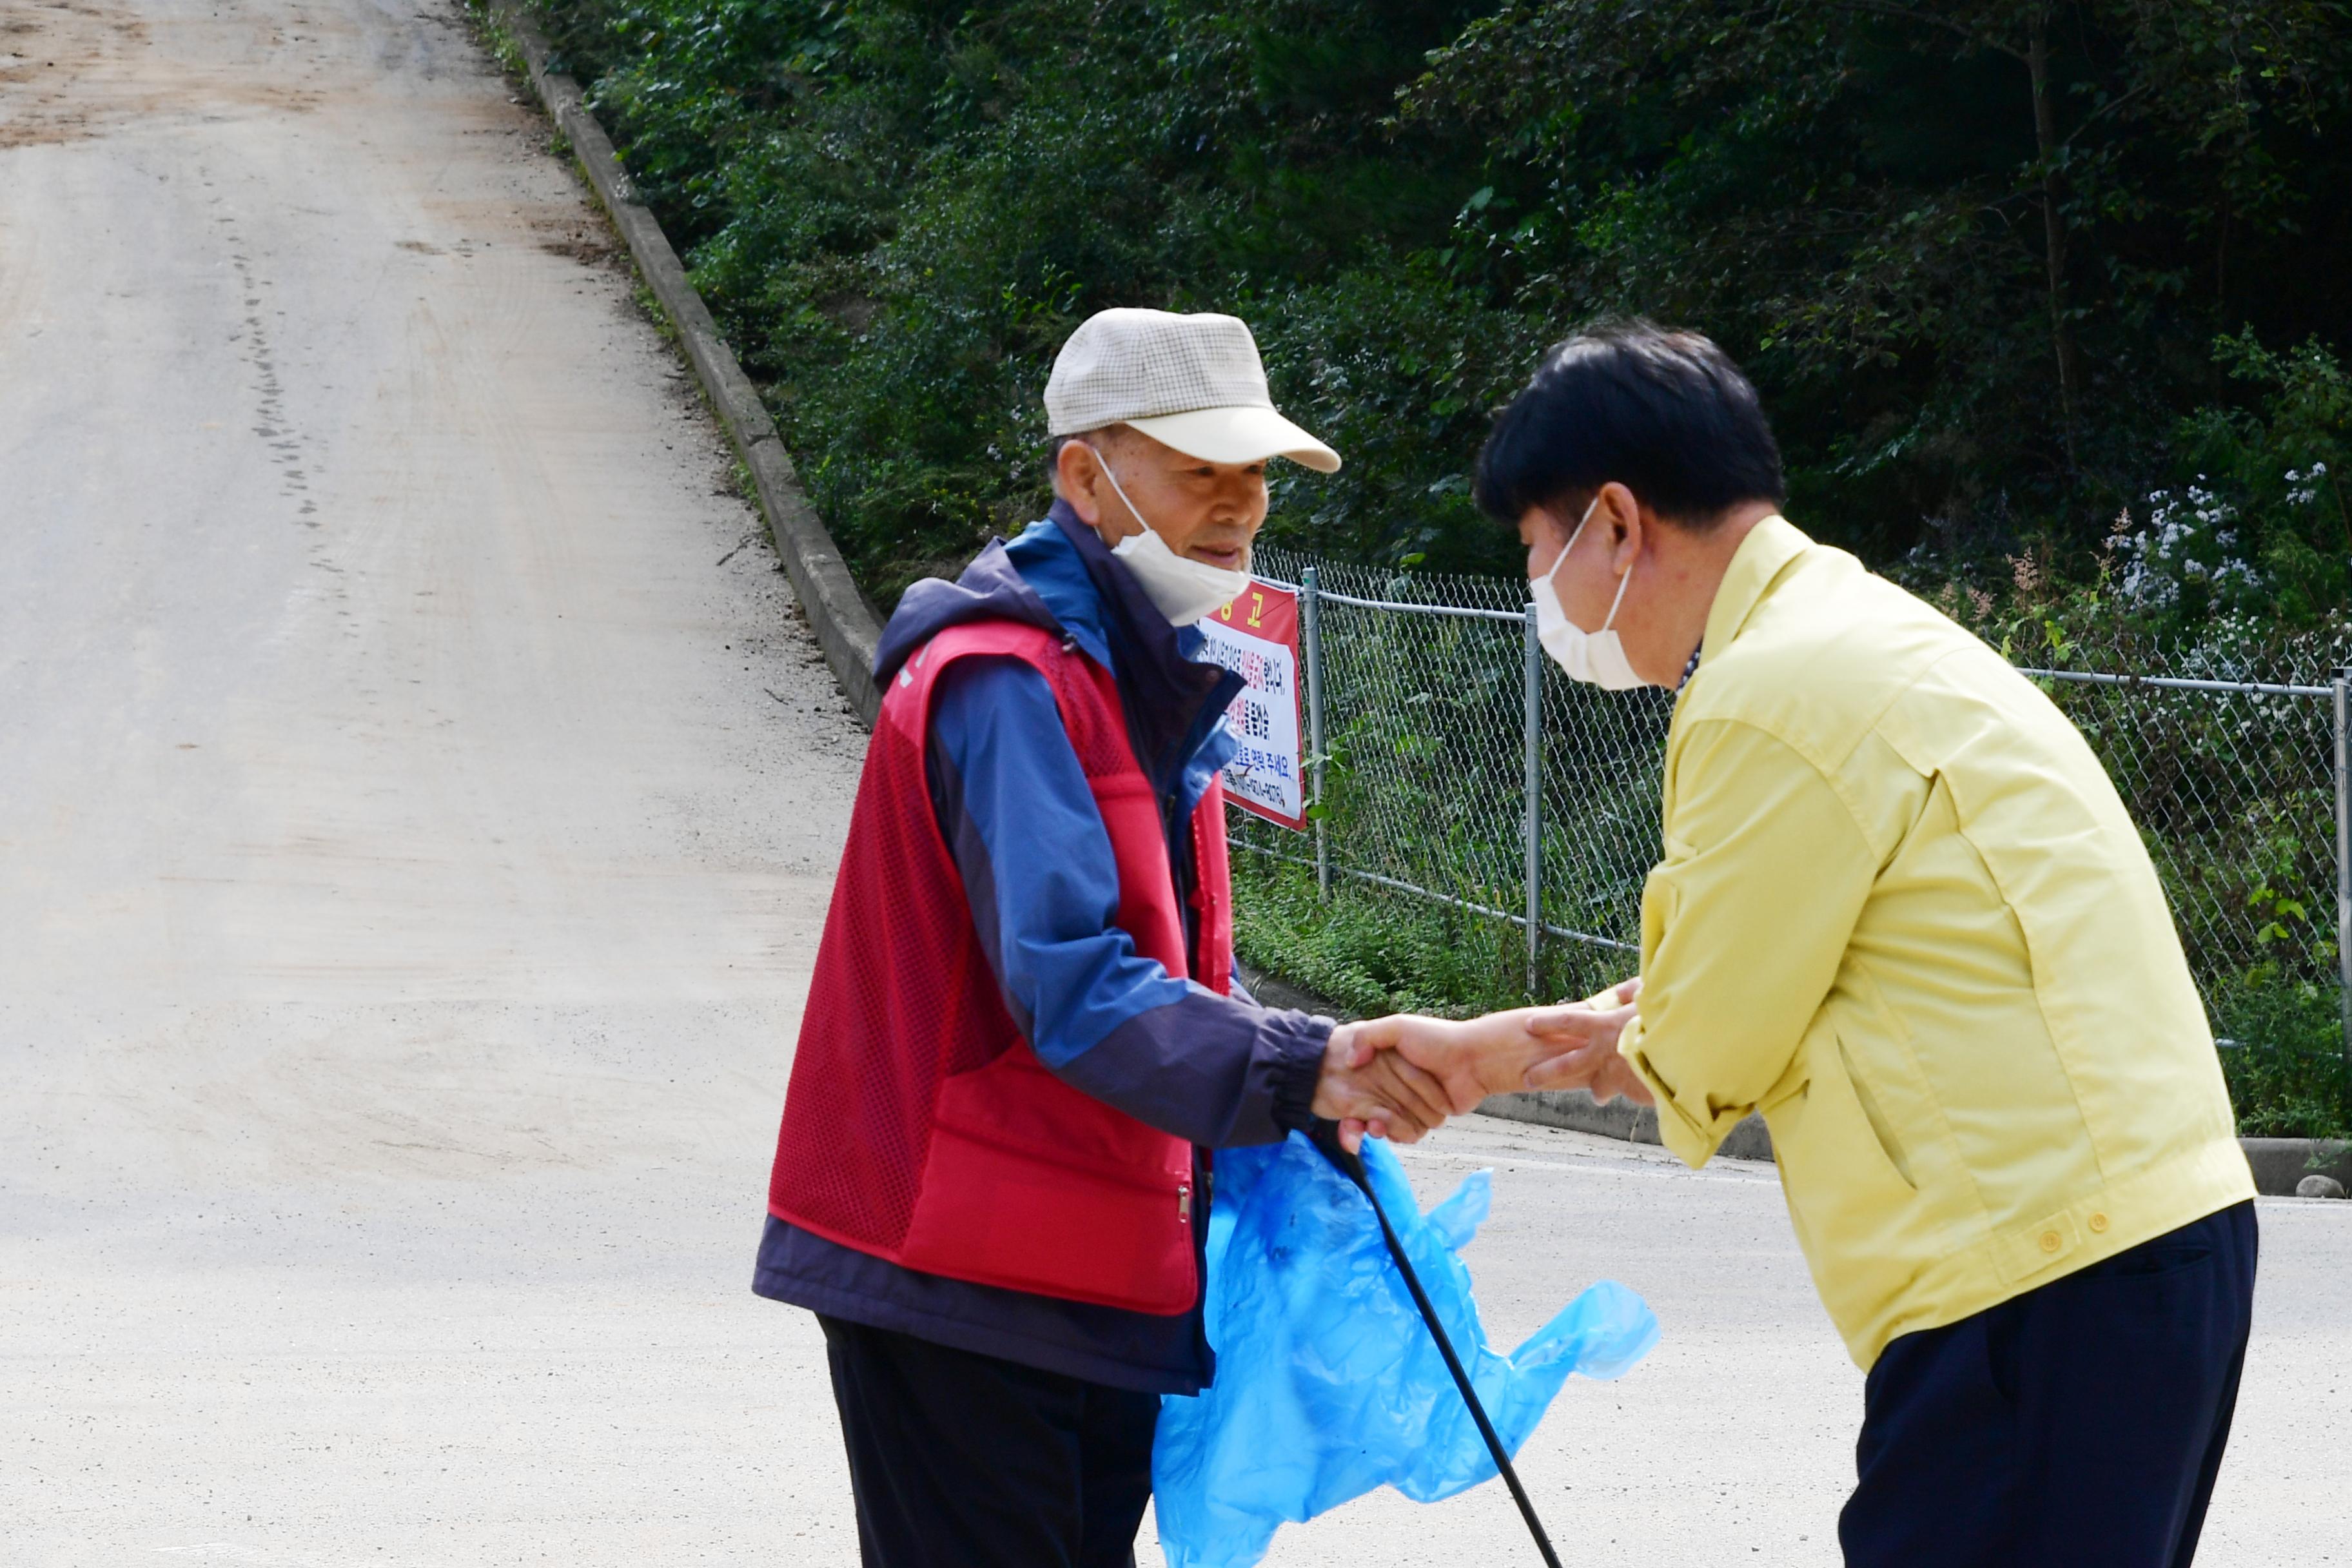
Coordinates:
1256 636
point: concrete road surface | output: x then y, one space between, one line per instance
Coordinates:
417 808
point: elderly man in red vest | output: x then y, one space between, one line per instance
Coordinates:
1023 1030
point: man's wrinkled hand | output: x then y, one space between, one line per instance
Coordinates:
1598 1070
1591 1060
1622 994
1496 1054
1373 1092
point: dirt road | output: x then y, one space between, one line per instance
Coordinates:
417 806
416 810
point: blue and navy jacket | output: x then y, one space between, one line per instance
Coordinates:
1014 808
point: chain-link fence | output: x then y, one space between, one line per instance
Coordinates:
1454 766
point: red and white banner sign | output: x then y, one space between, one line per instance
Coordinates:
1256 636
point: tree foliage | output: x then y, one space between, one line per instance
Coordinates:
2004 269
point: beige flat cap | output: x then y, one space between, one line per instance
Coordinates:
1193 382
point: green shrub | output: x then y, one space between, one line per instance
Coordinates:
2285 1063
897 208
1371 950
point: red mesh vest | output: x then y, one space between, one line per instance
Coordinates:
919 1125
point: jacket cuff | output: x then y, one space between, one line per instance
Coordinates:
1684 1137
1295 1065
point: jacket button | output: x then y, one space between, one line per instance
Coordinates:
2049 1241
2099 1224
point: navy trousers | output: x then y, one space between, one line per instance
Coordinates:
2078 1426
961 1461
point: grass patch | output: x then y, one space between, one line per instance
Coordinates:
650 304
492 32
1371 950
2287 1069
2289 1094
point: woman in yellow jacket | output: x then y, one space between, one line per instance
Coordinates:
1902 913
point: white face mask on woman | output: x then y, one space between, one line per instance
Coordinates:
1598 658
1182 588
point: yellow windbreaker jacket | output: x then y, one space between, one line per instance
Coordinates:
1903 911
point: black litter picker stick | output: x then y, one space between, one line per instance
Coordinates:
1327 1138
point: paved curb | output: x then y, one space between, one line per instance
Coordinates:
1575 1110
846 625
2280 1163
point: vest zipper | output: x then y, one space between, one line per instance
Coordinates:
1185 1204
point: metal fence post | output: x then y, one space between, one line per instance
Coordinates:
1531 824
1310 614
2343 684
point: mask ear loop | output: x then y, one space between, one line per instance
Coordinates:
1622 584
1556 560
1120 490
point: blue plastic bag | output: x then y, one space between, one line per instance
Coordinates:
1327 1382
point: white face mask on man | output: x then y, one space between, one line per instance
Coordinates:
1597 658
1180 587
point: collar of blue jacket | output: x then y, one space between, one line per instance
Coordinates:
1059 575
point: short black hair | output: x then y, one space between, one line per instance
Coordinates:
1662 412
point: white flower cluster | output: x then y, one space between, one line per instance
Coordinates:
2190 538
2303 488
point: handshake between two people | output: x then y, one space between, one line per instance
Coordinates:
1397 1077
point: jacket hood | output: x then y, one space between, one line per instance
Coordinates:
1059 575
990 589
